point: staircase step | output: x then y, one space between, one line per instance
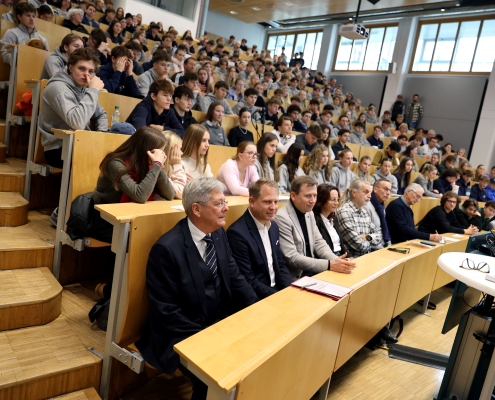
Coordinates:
86 394
13 209
3 153
28 297
45 361
21 247
12 175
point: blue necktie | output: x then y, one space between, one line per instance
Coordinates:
211 256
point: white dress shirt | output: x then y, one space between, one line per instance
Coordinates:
197 237
333 233
427 151
265 238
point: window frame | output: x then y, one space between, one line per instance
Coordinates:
440 21
295 33
364 71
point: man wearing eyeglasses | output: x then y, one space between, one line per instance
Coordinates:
400 217
192 279
303 248
376 208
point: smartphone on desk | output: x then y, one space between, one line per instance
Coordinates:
428 244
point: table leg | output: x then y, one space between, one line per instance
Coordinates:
424 309
323 393
486 393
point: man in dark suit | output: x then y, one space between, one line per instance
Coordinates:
192 279
254 240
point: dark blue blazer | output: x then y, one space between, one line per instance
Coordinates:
250 256
478 194
176 291
118 82
400 222
442 185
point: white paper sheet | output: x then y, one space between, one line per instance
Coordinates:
178 207
459 236
450 239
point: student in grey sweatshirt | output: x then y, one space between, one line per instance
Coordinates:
213 124
250 97
289 165
357 136
342 175
220 91
161 64
26 15
58 59
383 172
69 102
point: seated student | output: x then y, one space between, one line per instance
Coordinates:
400 217
195 152
152 33
45 13
403 174
191 82
239 171
136 50
108 17
314 108
9 16
88 16
467 214
64 7
129 25
357 137
182 99
430 148
317 165
70 101
433 161
173 165
58 59
465 183
74 20
383 172
326 119
283 132
362 169
478 191
374 140
305 119
385 127
370 115
132 173
254 241
487 214
178 59
197 243
303 248
271 113
310 140
221 70
189 66
341 175
425 180
289 167
114 32
26 15
294 111
392 149
265 163
490 174
209 49
100 6
97 41
241 133
411 151
341 144
155 111
360 234
250 96
441 219
447 163
445 182
402 140
117 76
236 93
220 91
490 190
212 122
160 61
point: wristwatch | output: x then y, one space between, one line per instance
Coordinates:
369 238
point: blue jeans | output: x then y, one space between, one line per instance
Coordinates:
411 124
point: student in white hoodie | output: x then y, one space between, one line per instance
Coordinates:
383 172
58 59
26 16
342 175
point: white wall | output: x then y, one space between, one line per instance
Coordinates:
151 13
224 26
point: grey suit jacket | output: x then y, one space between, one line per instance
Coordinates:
293 246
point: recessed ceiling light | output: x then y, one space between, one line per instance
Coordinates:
233 12
256 9
442 10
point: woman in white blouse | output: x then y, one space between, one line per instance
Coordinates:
324 210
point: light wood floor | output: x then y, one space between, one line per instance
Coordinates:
368 375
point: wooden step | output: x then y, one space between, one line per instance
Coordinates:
3 153
13 209
45 361
86 394
28 297
21 247
12 175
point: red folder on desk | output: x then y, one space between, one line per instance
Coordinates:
335 292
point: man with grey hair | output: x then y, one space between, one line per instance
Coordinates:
74 20
192 279
376 207
400 217
255 241
303 248
361 236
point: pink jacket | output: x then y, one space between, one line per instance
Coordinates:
228 174
178 65
179 179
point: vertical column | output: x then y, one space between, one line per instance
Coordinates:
328 44
404 47
483 151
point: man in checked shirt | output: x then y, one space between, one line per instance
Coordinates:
360 235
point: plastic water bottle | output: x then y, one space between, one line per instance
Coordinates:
116 115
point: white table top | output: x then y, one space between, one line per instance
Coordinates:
450 263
